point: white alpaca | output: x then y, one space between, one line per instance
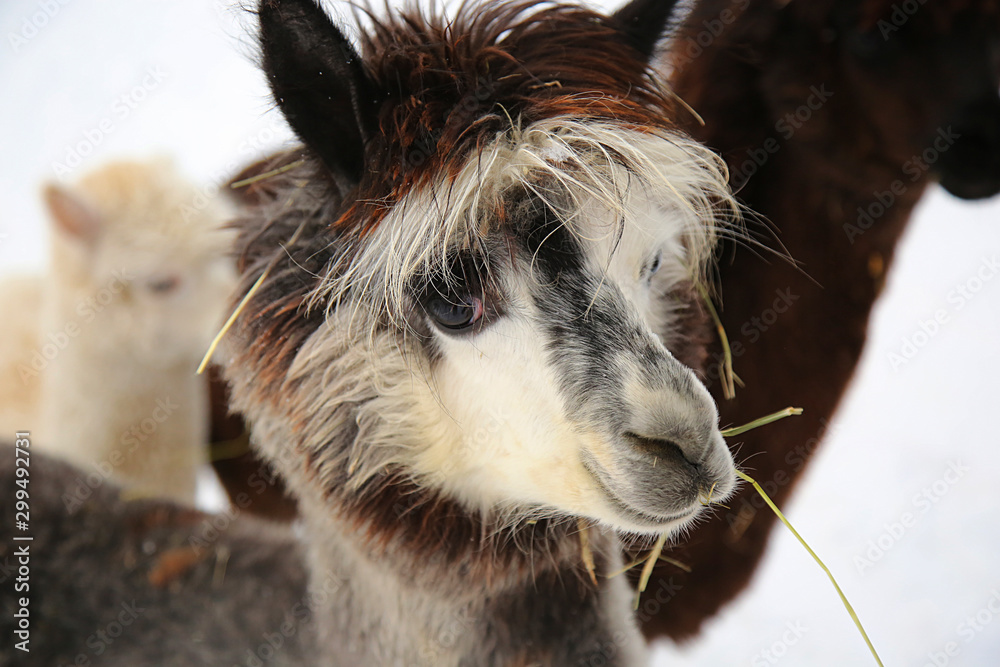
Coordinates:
99 356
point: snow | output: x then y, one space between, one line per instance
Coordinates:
121 78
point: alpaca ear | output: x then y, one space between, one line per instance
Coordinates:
317 79
643 23
73 217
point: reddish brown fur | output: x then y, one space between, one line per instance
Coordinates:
758 69
243 472
173 565
444 97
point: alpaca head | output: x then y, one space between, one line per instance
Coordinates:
911 79
477 267
940 62
138 253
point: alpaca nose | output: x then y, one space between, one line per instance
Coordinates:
676 418
685 450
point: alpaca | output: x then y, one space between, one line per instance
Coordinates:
19 392
833 115
105 373
459 306
146 582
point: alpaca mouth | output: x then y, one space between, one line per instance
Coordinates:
640 518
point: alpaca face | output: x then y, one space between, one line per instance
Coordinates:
488 257
144 264
550 388
172 304
502 335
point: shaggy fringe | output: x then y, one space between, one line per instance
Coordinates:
568 164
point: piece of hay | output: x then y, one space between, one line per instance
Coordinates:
654 555
229 323
249 295
763 421
843 598
729 377
585 551
647 569
781 414
267 174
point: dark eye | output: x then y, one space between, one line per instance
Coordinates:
163 285
654 265
453 312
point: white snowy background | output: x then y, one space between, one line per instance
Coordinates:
177 77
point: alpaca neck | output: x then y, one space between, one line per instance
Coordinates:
140 422
797 331
391 606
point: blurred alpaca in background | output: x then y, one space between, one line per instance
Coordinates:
99 355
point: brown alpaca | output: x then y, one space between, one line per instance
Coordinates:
833 115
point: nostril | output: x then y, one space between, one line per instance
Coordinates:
666 449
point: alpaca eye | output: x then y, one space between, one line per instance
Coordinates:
454 313
163 285
654 266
